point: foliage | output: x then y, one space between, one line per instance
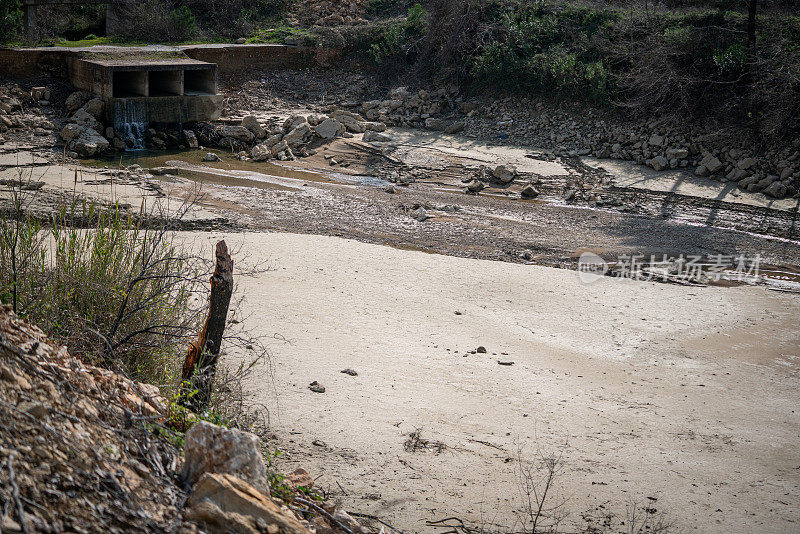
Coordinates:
116 293
10 19
160 21
537 50
397 43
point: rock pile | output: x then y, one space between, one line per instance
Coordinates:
661 145
20 112
297 134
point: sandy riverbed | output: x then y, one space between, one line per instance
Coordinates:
686 395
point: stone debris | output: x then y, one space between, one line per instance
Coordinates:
209 448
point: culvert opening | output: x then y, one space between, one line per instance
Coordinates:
129 83
200 82
166 83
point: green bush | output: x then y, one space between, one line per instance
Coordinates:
396 45
540 51
10 19
116 293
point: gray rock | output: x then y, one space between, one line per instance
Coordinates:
85 119
701 170
434 124
75 101
299 135
677 153
316 387
191 139
279 148
329 128
455 127
95 107
775 190
86 142
293 122
240 133
659 163
505 173
209 448
475 186
211 157
375 137
375 126
711 163
420 214
529 191
655 140
251 123
260 152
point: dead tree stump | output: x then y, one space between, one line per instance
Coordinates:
200 365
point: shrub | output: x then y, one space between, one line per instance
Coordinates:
396 47
116 293
159 21
10 19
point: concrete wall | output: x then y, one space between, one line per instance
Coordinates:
237 59
172 109
16 63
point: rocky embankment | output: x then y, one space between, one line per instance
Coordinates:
84 449
661 144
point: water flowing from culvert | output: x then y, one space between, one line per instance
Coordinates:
131 122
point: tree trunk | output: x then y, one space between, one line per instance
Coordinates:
200 365
752 6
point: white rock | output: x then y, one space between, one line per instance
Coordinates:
209 448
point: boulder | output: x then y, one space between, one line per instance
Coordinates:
87 120
251 123
211 157
224 503
529 191
747 163
475 186
375 137
352 122
504 173
711 163
71 131
75 101
375 126
659 163
434 124
273 139
89 143
95 107
299 135
240 133
655 140
701 170
278 147
293 122
329 128
677 153
775 190
261 152
455 127
420 214
209 448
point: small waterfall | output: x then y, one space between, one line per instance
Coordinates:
131 122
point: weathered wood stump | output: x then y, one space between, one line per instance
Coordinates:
200 365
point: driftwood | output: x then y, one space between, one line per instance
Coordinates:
200 365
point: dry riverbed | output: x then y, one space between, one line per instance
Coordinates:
678 398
